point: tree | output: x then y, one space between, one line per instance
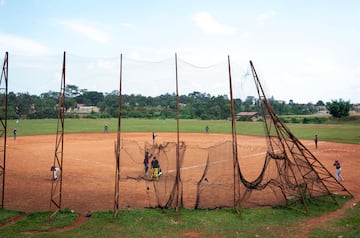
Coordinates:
320 103
339 108
71 91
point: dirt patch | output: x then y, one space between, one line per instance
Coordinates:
89 167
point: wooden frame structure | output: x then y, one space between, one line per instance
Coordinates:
56 185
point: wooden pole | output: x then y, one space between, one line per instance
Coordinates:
117 149
178 142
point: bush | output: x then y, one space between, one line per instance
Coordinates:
295 120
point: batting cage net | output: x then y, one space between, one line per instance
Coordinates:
220 177
178 173
208 183
216 181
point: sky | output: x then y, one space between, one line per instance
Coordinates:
302 50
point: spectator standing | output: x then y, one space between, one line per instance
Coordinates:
153 138
316 141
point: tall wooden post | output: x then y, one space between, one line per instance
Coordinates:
117 149
3 124
56 185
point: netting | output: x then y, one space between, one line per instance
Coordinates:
208 183
135 183
215 188
208 178
220 177
290 172
101 74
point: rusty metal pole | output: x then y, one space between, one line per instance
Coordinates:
3 121
177 142
234 143
117 149
56 185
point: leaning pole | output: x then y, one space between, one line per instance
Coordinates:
3 122
56 185
236 166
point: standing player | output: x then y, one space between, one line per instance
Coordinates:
55 170
155 168
146 162
338 171
153 138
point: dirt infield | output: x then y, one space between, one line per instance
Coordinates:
89 166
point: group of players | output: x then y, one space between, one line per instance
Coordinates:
155 166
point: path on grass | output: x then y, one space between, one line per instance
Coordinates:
311 223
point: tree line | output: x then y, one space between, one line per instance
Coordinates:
195 105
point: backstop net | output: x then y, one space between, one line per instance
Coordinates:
218 178
288 171
208 183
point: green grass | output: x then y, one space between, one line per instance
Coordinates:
342 132
38 222
6 214
344 226
259 222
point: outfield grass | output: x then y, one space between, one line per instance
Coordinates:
275 222
347 132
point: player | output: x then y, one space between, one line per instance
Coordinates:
155 168
55 172
146 162
338 171
153 138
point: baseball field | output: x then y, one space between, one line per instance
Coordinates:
89 166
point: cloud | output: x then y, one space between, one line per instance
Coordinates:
356 71
126 25
103 64
263 18
23 45
208 24
87 30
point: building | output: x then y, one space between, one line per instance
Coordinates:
247 115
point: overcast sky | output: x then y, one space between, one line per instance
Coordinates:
303 50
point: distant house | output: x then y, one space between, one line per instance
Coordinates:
321 110
356 108
247 115
82 109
